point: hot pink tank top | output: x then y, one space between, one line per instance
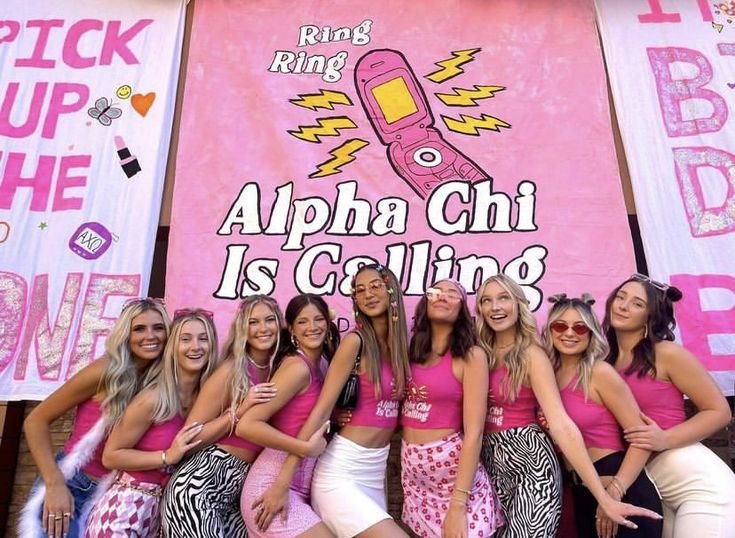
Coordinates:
596 423
292 416
433 398
376 413
238 442
502 414
661 401
88 413
157 438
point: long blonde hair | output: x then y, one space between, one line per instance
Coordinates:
526 335
166 379
121 380
236 345
597 349
397 329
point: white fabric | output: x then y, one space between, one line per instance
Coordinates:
697 491
348 487
77 234
670 68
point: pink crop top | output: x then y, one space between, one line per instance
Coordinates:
157 438
596 423
434 397
88 413
292 416
661 401
502 414
376 413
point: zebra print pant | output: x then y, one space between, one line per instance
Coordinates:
202 500
525 473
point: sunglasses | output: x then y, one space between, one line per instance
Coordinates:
645 278
183 312
579 328
434 294
136 300
374 286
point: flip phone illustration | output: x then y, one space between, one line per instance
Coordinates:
90 241
398 110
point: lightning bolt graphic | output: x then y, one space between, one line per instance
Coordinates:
469 124
342 155
450 67
326 127
466 97
323 99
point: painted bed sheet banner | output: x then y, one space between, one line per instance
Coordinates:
86 107
671 70
462 140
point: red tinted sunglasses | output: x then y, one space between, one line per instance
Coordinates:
579 328
182 312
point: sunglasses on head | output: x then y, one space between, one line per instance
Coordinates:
183 312
579 328
645 278
135 300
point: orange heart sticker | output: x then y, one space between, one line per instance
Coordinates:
141 103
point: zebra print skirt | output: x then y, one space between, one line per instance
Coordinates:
526 476
202 500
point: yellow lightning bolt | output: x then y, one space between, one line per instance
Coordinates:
465 97
326 127
469 124
451 66
323 99
342 155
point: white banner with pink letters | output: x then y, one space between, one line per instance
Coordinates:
87 95
672 70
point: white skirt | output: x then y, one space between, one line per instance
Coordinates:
348 487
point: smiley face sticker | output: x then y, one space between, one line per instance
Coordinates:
124 91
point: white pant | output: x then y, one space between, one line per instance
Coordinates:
698 492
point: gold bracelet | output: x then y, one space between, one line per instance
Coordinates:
619 485
461 490
163 457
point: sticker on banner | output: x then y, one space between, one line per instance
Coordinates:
104 112
124 91
142 103
90 241
4 231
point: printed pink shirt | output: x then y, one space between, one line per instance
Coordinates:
374 412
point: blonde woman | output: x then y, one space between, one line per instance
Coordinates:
99 392
599 402
151 437
516 452
202 499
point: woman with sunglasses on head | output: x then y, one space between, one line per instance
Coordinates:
202 499
151 437
348 487
99 392
516 452
598 401
298 378
446 491
697 488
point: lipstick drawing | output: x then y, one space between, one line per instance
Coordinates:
128 161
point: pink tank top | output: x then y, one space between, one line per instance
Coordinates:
502 414
596 423
661 401
238 442
88 413
376 413
433 398
157 438
292 416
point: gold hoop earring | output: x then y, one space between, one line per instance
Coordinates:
645 332
294 341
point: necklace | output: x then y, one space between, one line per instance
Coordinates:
497 348
258 366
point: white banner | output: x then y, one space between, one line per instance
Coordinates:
87 96
672 70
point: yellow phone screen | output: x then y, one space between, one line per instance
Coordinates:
394 100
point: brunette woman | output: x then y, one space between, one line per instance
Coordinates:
202 499
598 401
298 380
697 488
100 393
151 437
446 490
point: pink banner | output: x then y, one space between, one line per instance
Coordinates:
461 140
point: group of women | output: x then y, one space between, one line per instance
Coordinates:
203 444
